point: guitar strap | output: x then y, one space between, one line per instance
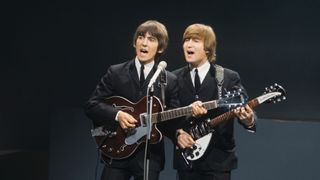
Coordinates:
219 78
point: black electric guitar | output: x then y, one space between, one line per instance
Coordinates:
122 143
202 131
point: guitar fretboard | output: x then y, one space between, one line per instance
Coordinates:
179 112
205 127
230 114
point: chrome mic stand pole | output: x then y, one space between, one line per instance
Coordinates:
150 92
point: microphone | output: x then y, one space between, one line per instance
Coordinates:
161 66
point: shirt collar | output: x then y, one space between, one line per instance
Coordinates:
202 71
147 67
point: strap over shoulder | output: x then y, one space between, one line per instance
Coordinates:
219 78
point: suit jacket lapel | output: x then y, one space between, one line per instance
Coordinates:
187 79
209 79
133 73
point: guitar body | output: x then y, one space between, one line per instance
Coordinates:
202 131
199 148
123 143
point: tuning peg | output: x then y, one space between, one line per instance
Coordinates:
284 98
271 87
267 89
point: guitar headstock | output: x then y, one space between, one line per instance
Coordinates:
277 91
232 99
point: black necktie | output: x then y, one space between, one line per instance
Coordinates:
141 75
196 80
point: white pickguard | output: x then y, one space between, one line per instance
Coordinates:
199 148
139 132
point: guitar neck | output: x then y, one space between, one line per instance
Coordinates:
205 127
180 112
230 114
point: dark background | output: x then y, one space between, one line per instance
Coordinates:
54 53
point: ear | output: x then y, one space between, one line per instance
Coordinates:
160 51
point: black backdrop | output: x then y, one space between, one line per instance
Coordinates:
54 52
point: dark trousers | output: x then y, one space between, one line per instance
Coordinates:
125 174
204 175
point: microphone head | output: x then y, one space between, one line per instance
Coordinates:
162 65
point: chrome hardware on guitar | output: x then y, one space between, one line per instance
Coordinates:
101 131
122 143
201 132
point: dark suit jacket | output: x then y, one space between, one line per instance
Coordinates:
122 80
220 154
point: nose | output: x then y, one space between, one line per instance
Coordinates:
145 41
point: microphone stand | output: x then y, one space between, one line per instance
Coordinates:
150 92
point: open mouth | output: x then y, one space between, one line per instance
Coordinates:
144 51
190 52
